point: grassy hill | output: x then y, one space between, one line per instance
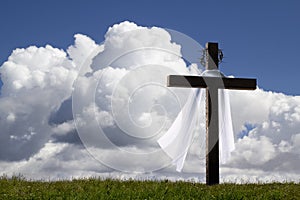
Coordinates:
19 188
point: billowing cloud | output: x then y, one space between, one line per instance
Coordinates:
35 83
116 91
272 140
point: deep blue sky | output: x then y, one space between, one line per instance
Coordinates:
259 38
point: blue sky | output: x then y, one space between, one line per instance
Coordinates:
259 38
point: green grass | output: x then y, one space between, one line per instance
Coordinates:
19 188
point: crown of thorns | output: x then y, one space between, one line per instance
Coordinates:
204 56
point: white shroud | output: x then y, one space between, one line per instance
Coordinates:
177 140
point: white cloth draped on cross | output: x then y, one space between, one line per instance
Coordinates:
177 140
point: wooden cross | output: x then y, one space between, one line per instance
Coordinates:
212 84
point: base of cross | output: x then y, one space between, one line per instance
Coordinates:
212 85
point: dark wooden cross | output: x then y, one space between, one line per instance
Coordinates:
212 84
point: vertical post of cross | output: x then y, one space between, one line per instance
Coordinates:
212 119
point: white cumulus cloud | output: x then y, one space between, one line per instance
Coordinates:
116 91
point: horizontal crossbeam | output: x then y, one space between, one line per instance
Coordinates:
211 82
